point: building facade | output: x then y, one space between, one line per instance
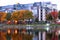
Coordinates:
42 8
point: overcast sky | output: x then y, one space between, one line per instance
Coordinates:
10 2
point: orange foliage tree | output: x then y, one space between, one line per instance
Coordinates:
22 14
54 14
15 16
2 16
49 17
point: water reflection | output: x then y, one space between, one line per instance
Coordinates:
23 34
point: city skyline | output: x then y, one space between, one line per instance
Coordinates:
11 2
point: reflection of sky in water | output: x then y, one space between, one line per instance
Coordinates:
35 38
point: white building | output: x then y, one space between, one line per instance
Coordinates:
42 8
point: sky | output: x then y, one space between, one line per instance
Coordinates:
11 2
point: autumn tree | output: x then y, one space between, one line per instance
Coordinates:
22 14
49 17
15 15
54 14
28 14
2 16
8 16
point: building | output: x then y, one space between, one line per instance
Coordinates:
39 9
42 8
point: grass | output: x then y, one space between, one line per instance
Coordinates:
55 25
31 24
